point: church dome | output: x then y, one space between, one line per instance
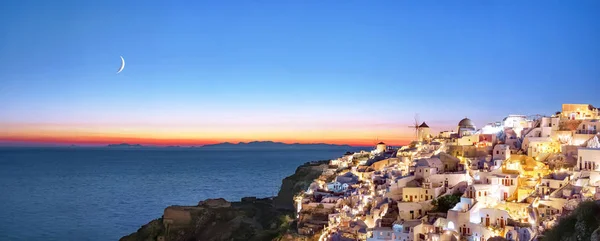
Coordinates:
466 123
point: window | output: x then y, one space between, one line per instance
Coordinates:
497 152
426 192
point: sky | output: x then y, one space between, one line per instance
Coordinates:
345 72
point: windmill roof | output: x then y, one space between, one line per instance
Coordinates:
424 125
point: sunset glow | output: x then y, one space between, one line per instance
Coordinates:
193 136
270 74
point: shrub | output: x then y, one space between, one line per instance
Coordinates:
579 225
445 203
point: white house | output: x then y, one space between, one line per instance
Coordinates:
503 184
548 125
381 233
536 146
425 192
492 128
468 140
501 152
588 159
424 171
412 210
554 181
515 121
402 231
494 217
448 180
431 162
483 192
337 186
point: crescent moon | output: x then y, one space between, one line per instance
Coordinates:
122 65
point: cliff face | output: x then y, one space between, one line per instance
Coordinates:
298 182
582 224
251 219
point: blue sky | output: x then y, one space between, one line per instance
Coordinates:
191 62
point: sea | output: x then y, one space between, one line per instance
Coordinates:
102 194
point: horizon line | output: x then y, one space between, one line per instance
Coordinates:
27 143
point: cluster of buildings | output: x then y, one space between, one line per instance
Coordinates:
511 179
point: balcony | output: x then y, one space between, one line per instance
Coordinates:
588 132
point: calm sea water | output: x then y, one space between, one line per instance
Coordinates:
103 194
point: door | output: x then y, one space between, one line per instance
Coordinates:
505 195
411 198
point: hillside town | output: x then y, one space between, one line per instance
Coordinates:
512 179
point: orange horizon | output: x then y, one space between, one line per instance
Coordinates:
163 135
98 141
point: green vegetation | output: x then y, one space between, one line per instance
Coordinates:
445 203
577 226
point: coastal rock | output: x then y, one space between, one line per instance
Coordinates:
214 203
298 182
234 221
251 219
248 199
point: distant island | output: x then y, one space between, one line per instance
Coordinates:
273 145
124 145
245 145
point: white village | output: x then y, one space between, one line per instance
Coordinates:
512 179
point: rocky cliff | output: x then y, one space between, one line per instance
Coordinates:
251 219
299 181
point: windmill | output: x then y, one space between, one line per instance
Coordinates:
416 126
